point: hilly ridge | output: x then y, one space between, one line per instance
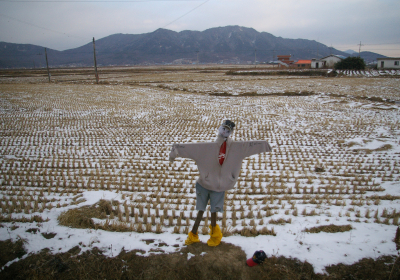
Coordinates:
230 44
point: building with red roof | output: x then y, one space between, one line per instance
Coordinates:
303 63
285 59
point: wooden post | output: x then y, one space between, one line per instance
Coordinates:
47 63
359 49
273 61
95 63
255 58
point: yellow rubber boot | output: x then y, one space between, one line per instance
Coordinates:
192 238
215 236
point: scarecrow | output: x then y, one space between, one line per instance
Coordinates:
219 166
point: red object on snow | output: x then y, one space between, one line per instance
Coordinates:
250 262
258 258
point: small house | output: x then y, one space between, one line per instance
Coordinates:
284 60
326 62
388 63
303 63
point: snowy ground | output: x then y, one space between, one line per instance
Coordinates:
360 87
63 146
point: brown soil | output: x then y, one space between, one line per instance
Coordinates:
223 262
10 250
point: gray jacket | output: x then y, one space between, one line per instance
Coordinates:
213 176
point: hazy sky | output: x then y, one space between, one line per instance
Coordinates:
342 24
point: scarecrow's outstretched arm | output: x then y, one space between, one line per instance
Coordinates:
254 147
190 150
173 154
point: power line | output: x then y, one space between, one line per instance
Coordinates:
186 13
103 53
94 1
366 44
98 1
382 44
384 49
40 27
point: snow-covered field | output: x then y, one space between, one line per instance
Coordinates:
387 88
368 73
335 160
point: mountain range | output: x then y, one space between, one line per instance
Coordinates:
230 44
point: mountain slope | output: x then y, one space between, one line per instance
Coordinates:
230 44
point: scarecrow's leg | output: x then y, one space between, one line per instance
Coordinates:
213 220
193 237
215 231
197 222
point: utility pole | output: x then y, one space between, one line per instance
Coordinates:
47 63
359 49
95 63
255 58
273 61
197 57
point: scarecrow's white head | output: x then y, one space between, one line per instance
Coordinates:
226 128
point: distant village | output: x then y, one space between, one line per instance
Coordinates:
330 60
285 61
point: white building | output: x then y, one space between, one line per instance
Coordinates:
326 62
389 63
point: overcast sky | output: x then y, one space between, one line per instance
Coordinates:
66 24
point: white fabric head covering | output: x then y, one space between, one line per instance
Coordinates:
224 131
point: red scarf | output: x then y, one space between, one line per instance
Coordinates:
222 152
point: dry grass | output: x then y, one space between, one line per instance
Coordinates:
396 239
385 147
309 73
386 267
329 228
79 217
10 250
252 232
255 94
82 217
9 219
280 221
384 197
130 265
